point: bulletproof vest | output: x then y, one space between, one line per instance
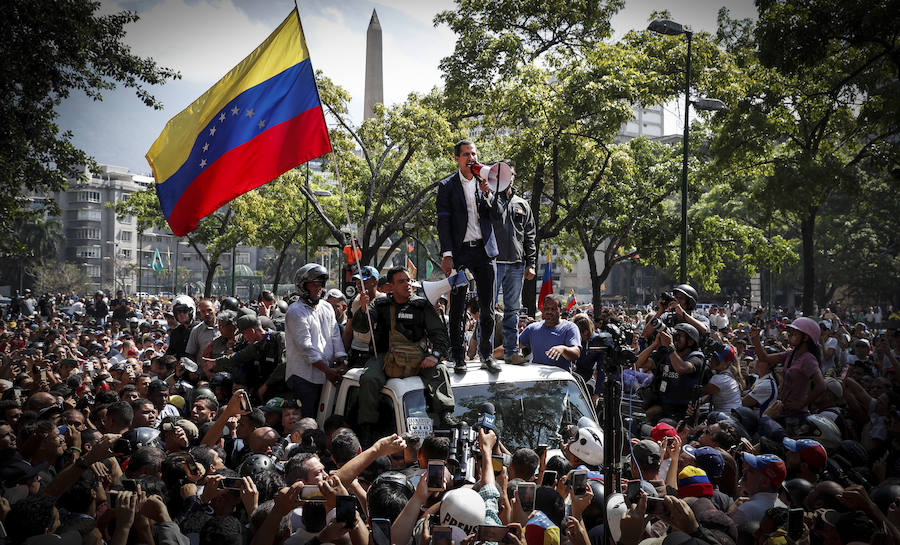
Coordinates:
677 389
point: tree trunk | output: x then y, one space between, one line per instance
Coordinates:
807 233
281 255
210 275
529 287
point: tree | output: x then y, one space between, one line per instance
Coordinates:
271 215
793 139
216 232
50 276
50 50
404 151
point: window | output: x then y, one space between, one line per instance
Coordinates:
126 254
85 233
125 236
87 252
126 220
242 258
88 196
93 271
86 215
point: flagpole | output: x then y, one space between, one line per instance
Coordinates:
337 175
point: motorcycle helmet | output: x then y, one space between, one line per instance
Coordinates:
229 303
690 331
587 443
807 326
823 430
311 272
184 303
689 293
256 463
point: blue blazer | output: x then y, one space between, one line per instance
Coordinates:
452 216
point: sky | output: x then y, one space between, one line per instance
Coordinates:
204 39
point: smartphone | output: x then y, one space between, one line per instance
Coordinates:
435 475
311 492
441 535
121 446
497 463
633 492
434 519
549 478
525 492
795 523
129 485
844 373
657 506
579 482
490 533
245 403
541 449
381 531
43 375
345 510
232 483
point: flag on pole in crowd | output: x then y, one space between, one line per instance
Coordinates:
157 264
572 301
546 283
410 247
260 120
413 271
429 268
169 256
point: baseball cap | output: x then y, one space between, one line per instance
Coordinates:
693 483
367 273
769 465
274 405
851 526
661 431
335 294
247 321
646 453
812 452
708 459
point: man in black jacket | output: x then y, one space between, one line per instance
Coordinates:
515 233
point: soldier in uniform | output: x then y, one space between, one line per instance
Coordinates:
259 365
410 339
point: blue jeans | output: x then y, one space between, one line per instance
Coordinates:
510 277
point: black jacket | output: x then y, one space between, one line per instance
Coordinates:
515 231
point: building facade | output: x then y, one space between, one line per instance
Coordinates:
115 256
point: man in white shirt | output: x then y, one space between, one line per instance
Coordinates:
761 479
315 352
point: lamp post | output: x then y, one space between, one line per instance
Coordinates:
671 28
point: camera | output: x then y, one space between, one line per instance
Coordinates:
666 297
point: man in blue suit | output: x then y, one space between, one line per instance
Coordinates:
465 207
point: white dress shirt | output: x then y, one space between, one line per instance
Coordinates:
312 335
755 508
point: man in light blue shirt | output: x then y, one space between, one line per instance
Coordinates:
553 341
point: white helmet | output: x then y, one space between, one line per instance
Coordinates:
462 509
182 302
587 442
615 511
823 430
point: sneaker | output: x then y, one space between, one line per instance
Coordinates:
489 363
459 367
516 359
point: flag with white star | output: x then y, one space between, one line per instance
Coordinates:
260 120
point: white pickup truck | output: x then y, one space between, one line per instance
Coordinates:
532 402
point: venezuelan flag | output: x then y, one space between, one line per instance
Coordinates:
572 300
546 283
260 120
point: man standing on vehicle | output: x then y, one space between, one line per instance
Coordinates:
465 207
553 341
315 352
410 339
515 234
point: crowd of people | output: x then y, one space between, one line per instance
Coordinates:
784 432
195 421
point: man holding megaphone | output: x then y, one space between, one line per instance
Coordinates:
465 207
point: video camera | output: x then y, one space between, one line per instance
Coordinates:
464 445
615 342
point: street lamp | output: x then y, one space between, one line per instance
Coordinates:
316 193
671 28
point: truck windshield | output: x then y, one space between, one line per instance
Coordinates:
527 413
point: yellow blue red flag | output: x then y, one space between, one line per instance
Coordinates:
260 120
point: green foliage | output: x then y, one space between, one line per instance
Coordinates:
50 50
51 276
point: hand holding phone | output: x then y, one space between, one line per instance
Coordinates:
435 475
579 482
345 510
525 493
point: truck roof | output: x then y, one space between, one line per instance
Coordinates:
476 375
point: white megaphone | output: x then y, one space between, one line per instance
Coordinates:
498 176
434 290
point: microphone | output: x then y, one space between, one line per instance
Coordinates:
487 418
